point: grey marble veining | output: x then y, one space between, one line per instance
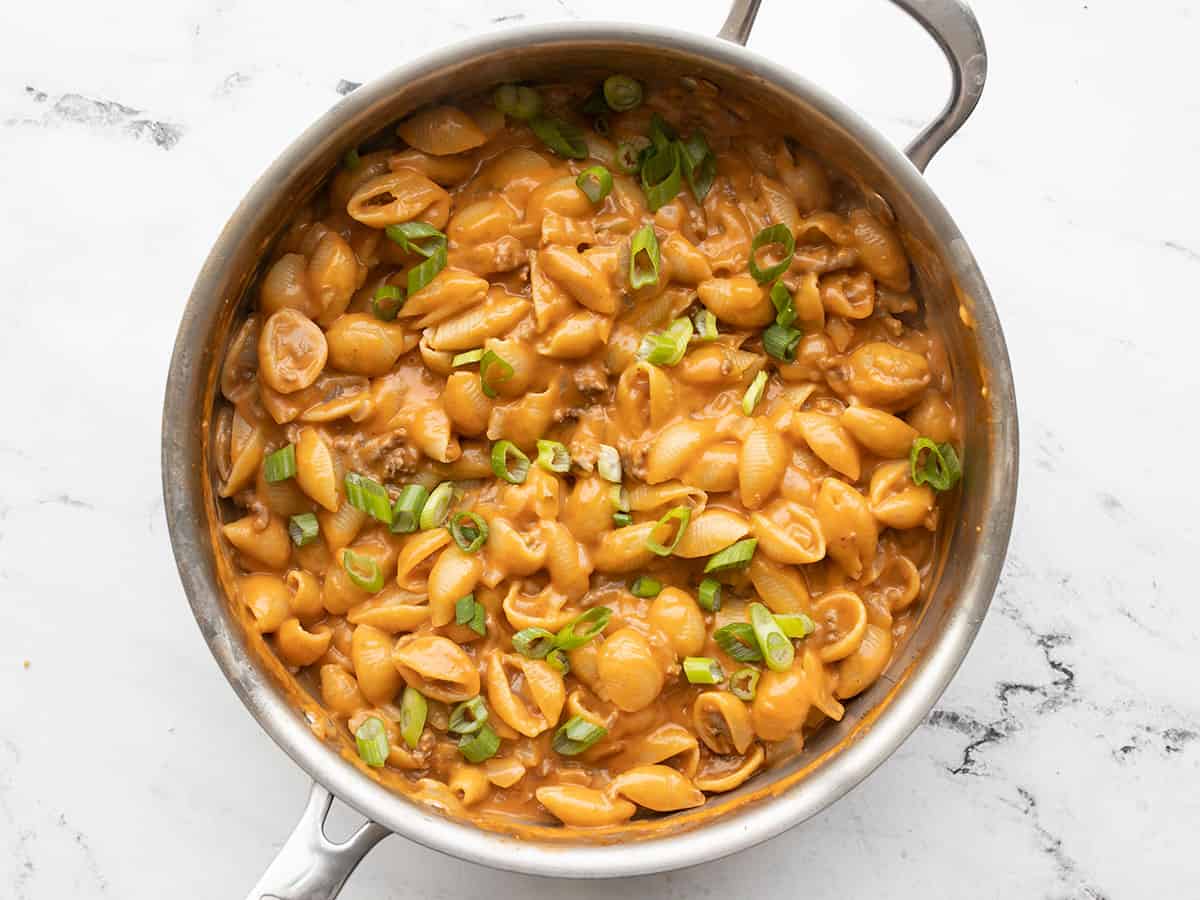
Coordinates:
1064 760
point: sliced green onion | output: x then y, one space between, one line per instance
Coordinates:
583 628
493 369
466 358
754 393
699 164
619 497
622 519
387 302
577 735
737 639
370 496
645 586
795 625
421 275
557 660
680 514
420 238
406 514
777 650
743 683
470 612
661 176
629 155
661 134
437 507
468 717
303 529
940 468
363 570
596 182
469 530
710 595
706 324
781 299
414 710
351 160
533 642
480 746
666 348
595 104
513 472
518 101
702 670
280 465
781 341
561 137
644 258
372 742
735 556
608 463
622 93
553 456
774 234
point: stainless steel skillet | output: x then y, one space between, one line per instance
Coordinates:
310 867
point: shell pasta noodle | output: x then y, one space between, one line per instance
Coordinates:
584 448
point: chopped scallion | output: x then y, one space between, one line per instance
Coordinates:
509 463
562 137
469 530
368 495
583 628
629 155
595 182
702 670
737 639
644 258
421 275
371 740
303 529
467 357
706 325
709 596
406 514
553 456
785 309
622 93
557 660
363 570
577 735
533 642
939 467
735 556
754 393
777 650
667 347
414 710
518 101
437 507
743 683
680 514
469 716
387 302
779 234
420 238
608 463
480 746
645 586
470 612
781 341
493 369
280 465
795 625
622 519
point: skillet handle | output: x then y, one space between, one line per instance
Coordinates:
309 866
949 22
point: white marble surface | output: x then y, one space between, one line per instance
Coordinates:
1064 761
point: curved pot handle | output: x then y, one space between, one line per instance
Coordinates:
309 866
949 22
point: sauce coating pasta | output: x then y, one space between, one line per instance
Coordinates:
586 446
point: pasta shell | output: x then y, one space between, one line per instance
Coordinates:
881 433
848 525
624 549
584 807
674 447
862 668
400 196
763 461
717 774
711 531
441 131
494 317
437 667
645 398
789 533
722 722
371 652
660 788
539 682
841 620
453 576
317 471
781 588
832 444
895 501
392 610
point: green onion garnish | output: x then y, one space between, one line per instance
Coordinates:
493 369
553 456
466 358
406 514
619 498
661 134
517 101
774 234
480 746
596 182
709 596
470 612
705 324
577 735
737 639
351 160
645 586
303 529
629 155
370 496
754 393
437 507
661 176
780 341
387 302
666 348
735 556
622 93
592 623
644 258
680 514
533 642
608 463
280 465
414 709
421 275
743 683
702 670
940 468
469 531
621 519
561 137
372 742
699 164
595 104
469 716
363 570
776 649
795 625
513 472
420 238
785 309
557 660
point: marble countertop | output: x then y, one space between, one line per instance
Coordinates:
1064 760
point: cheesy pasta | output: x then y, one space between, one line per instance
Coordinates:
586 445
